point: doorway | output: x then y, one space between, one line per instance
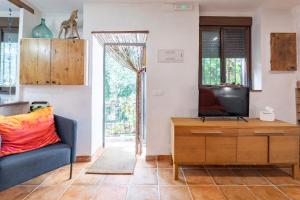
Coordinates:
120 100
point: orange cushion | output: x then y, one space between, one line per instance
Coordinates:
26 132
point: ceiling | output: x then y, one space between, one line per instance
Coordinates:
209 5
5 5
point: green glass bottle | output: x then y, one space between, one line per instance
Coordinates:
42 31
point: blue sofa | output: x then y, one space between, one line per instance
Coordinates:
18 168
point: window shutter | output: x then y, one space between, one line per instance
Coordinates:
210 44
235 43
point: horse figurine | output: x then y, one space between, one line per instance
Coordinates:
70 24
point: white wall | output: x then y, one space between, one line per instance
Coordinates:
178 82
7 13
97 94
278 88
69 101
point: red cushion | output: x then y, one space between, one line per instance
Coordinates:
26 132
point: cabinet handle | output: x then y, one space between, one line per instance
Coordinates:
47 81
54 82
206 132
269 133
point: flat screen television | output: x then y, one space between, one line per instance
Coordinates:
223 101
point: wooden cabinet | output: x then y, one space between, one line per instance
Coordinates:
190 149
234 143
220 149
67 61
56 62
284 149
35 61
298 103
247 153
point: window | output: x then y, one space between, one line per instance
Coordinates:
9 49
224 54
9 56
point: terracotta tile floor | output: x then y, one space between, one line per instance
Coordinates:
153 181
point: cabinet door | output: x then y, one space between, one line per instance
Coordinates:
252 149
67 62
221 149
284 149
35 61
189 149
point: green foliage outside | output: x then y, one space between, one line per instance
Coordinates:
120 98
211 71
234 74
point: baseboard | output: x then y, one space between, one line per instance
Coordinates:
158 157
90 158
83 158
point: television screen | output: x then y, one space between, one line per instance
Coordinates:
224 101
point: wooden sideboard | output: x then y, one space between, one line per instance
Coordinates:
232 142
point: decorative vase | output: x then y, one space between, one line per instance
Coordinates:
42 31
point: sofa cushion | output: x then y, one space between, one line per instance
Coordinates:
21 133
18 168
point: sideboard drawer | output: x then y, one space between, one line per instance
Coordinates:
269 131
284 149
196 131
221 149
189 149
252 149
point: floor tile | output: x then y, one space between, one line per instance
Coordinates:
117 179
111 192
198 177
278 177
82 192
61 176
144 176
17 193
47 192
57 179
174 193
237 193
142 163
225 177
89 179
251 177
148 192
81 165
38 180
165 177
165 162
292 192
206 193
267 193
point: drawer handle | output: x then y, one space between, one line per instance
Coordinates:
206 132
273 133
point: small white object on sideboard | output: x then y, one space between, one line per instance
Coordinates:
267 115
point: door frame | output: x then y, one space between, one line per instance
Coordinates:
103 89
